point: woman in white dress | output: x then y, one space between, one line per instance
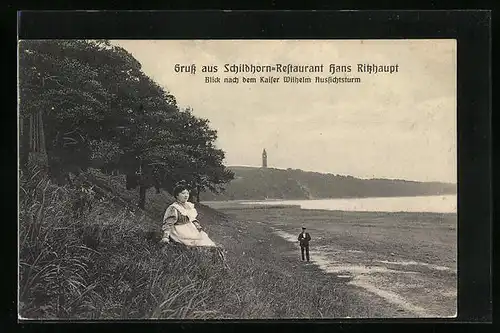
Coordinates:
180 224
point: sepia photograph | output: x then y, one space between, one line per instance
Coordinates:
237 179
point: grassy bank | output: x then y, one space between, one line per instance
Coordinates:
107 263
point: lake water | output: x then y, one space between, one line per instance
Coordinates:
429 204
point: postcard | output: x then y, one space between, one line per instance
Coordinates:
237 179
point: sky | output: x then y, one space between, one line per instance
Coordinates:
399 126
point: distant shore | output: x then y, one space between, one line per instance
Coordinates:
259 183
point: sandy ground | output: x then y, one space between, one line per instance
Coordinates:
386 264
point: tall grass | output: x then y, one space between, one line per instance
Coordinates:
108 264
102 264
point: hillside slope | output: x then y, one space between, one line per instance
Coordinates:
258 184
156 203
105 264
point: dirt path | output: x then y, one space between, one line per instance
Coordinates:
259 241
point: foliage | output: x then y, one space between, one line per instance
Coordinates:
100 110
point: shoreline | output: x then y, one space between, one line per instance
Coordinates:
279 274
296 203
371 262
333 198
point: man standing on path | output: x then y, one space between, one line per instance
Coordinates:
304 239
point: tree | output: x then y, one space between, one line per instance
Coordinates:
203 166
101 110
81 88
179 147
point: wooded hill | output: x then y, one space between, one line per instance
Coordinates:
253 183
88 104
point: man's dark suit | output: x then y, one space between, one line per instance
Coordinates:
304 244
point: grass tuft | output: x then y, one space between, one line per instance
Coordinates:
101 265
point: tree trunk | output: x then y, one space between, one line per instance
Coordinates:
25 144
198 194
131 180
142 196
157 185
